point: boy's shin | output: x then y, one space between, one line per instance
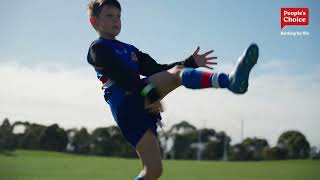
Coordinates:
196 79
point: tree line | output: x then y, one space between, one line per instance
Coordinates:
181 141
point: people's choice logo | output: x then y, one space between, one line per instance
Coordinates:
294 16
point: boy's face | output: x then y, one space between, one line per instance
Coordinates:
108 23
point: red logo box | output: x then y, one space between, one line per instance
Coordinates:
294 17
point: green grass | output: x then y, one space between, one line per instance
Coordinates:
39 165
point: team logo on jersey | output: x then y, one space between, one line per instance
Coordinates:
121 51
134 56
118 51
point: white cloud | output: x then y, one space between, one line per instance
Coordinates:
52 94
276 101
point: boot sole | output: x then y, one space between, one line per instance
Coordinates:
245 66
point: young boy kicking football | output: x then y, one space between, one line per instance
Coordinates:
134 102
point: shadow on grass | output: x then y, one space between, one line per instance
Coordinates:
7 153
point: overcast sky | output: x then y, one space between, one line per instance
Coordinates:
45 77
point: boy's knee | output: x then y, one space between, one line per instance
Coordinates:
176 70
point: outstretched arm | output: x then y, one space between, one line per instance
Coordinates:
202 60
148 66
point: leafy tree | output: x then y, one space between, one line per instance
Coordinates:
188 141
182 128
251 149
295 143
183 135
7 138
181 147
216 144
213 150
207 134
101 142
125 150
109 141
54 138
81 141
238 153
255 147
30 139
274 153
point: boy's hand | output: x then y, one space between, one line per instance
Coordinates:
155 107
202 60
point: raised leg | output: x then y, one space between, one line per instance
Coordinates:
167 81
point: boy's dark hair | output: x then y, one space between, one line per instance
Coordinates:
95 6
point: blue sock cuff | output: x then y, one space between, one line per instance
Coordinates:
223 80
191 78
138 178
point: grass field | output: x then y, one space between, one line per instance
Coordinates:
39 165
